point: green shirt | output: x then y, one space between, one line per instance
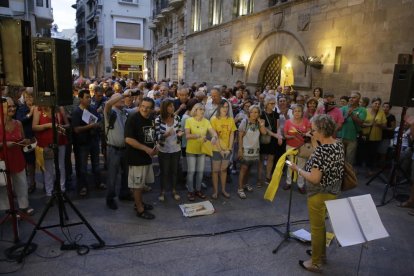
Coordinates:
350 129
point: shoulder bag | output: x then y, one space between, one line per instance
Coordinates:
266 138
349 180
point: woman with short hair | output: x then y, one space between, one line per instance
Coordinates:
295 130
269 150
324 173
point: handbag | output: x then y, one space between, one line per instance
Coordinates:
305 150
349 180
207 148
266 138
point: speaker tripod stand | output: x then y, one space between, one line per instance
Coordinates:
396 166
61 199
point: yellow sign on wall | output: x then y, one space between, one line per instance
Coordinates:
129 61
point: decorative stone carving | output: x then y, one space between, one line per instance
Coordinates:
303 21
277 20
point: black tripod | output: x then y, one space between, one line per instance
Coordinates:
286 235
396 166
60 198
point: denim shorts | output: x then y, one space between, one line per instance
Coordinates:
218 157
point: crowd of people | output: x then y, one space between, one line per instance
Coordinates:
184 126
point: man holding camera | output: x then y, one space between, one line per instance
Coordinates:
115 114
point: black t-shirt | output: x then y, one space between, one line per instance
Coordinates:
270 119
84 137
142 130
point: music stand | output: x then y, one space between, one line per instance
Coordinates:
61 198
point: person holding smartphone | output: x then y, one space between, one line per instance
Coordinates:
323 173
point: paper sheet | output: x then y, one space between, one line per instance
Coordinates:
197 209
88 117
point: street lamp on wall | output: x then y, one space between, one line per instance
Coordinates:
235 64
312 61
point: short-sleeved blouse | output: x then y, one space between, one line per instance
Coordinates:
329 159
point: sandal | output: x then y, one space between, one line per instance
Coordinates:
83 191
225 194
312 268
268 180
145 215
309 252
28 211
200 195
241 194
214 196
176 196
259 184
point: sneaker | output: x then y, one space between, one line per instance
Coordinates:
233 171
28 211
248 188
111 204
241 194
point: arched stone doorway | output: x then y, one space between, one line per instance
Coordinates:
276 70
288 47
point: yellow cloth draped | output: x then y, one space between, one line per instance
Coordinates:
40 161
277 175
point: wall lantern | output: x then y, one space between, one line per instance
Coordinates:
312 61
235 64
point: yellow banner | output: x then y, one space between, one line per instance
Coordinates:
128 61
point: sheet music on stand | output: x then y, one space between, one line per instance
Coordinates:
355 220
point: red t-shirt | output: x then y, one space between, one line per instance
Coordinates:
45 137
292 129
15 158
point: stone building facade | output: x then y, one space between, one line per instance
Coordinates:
341 45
